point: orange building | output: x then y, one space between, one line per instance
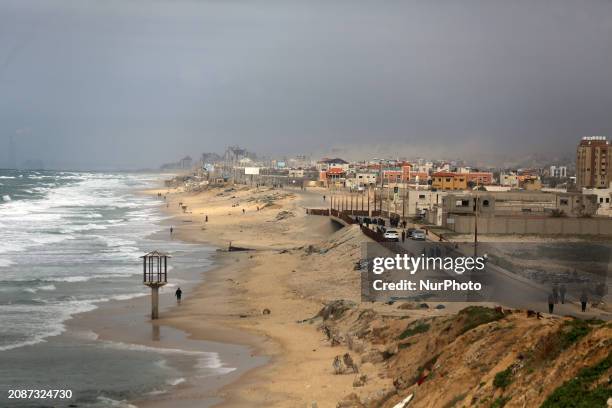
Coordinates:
480 178
449 181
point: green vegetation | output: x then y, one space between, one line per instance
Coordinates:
581 391
550 347
474 316
574 330
427 366
403 346
500 402
414 328
503 378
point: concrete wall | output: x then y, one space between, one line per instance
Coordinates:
532 225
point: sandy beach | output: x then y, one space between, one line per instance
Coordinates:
297 264
229 306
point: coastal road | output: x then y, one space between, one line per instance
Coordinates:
506 288
500 286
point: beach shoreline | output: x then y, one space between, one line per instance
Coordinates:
228 297
126 322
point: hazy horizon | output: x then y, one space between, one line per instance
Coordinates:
134 84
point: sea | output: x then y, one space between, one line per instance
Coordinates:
70 243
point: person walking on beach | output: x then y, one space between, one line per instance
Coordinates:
583 300
555 292
562 291
323 197
178 294
243 210
551 303
206 219
171 230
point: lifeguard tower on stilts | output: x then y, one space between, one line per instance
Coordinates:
155 275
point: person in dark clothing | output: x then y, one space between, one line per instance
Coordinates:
403 236
323 198
555 293
551 303
171 230
562 291
583 300
178 294
206 219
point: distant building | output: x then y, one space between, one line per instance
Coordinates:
449 181
558 171
333 177
593 158
522 203
325 164
296 173
604 199
509 180
185 163
392 176
480 178
365 179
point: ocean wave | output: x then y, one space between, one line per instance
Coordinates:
212 361
5 262
81 228
206 360
42 322
40 288
109 402
176 381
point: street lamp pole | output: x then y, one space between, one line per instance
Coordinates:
476 204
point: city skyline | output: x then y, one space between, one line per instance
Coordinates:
125 85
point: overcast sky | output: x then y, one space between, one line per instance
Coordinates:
134 83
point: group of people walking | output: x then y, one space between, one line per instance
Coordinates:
558 294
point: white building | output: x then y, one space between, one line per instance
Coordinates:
296 173
558 171
604 199
361 180
509 179
424 203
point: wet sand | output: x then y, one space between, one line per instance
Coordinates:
230 305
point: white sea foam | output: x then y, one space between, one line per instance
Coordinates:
176 381
6 197
80 228
55 227
40 288
4 262
109 402
206 360
41 322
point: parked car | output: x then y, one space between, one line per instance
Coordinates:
409 232
391 235
418 235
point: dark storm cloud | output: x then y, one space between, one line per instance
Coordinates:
133 83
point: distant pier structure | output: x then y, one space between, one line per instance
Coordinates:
155 275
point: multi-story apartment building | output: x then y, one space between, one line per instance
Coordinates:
480 178
593 162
